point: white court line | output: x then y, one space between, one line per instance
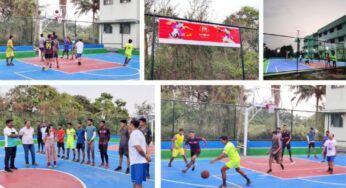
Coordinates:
80 181
276 69
228 182
21 75
185 183
323 182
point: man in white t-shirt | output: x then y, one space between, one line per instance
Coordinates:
330 148
27 136
79 49
43 133
41 46
137 155
10 135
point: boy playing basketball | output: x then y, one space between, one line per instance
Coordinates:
330 148
177 147
195 149
234 161
275 151
9 51
48 52
128 52
79 49
67 43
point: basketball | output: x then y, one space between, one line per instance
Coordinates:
205 174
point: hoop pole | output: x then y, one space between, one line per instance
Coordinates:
246 117
153 49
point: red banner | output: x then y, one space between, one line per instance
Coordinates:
182 32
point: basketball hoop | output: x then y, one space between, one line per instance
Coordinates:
270 107
57 16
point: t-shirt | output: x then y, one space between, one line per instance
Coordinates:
231 151
179 140
311 136
128 49
286 135
56 45
89 130
9 44
43 132
66 44
137 139
124 137
104 135
330 146
70 134
276 143
79 47
80 136
9 141
194 144
61 135
48 46
41 42
39 134
147 134
27 135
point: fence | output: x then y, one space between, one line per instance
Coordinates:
211 120
185 62
289 54
26 30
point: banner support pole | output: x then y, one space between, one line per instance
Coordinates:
241 55
153 49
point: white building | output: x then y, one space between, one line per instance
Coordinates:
335 112
119 22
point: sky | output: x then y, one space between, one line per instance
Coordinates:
285 17
220 9
133 94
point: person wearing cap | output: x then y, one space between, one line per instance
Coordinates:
177 147
138 154
148 139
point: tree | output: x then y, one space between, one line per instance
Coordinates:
144 108
306 92
85 6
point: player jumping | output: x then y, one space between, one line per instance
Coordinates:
234 161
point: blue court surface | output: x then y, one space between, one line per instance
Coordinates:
81 175
173 177
96 67
288 65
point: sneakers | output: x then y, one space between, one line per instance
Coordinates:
14 168
127 171
269 171
54 166
106 166
82 162
77 161
118 168
282 166
183 171
169 165
50 167
8 170
193 168
93 164
291 160
35 164
87 163
222 186
248 182
27 165
101 165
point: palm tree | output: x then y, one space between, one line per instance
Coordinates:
276 94
306 92
85 6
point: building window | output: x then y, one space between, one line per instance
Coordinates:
337 120
125 1
339 27
107 28
320 35
341 39
125 28
107 2
331 30
332 40
325 33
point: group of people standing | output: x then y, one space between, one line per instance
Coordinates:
135 139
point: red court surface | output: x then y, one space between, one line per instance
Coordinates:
318 65
116 148
300 168
39 178
71 66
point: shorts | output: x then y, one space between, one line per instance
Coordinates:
70 144
48 56
41 49
312 145
60 144
138 173
80 145
330 158
234 163
123 150
197 153
79 55
284 145
129 56
55 55
178 151
66 50
9 53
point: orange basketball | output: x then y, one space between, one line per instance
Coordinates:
205 174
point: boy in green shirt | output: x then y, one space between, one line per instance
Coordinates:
128 52
234 161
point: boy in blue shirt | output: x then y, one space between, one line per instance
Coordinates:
80 142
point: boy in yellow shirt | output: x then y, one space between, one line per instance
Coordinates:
231 152
9 51
177 147
128 52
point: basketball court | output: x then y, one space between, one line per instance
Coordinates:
69 174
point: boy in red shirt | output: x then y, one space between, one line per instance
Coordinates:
60 143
